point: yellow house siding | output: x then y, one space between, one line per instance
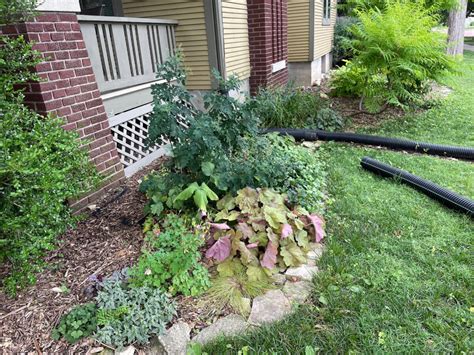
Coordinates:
190 33
236 38
298 30
323 34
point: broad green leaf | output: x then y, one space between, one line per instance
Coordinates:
292 255
156 208
302 239
207 168
271 198
187 192
247 257
229 267
227 216
226 203
211 195
256 273
261 238
273 237
247 200
274 216
200 199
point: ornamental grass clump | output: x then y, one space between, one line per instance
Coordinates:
396 55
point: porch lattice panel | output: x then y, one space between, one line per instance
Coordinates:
130 130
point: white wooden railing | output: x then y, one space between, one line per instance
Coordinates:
125 51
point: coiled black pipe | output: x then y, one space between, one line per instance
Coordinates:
445 196
394 143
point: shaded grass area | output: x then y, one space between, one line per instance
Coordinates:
397 272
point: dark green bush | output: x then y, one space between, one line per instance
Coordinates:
294 108
41 166
396 54
342 36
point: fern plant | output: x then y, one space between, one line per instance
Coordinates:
396 54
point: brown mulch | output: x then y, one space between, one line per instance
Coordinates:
349 107
108 239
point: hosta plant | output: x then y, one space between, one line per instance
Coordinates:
258 229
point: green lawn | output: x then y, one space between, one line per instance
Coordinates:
397 275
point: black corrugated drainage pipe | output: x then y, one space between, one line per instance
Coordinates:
394 143
429 188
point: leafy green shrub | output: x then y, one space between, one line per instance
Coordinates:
396 54
216 150
170 260
41 166
292 107
215 137
258 230
342 37
133 314
79 323
304 181
14 11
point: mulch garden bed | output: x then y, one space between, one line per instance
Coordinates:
106 240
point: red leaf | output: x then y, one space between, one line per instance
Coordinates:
270 257
252 245
220 250
219 226
318 223
246 230
286 231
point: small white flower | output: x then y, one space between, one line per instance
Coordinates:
147 272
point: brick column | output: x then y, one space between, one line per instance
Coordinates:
69 90
268 40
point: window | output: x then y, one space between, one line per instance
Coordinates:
101 7
326 12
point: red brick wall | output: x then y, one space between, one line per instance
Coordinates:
70 91
268 40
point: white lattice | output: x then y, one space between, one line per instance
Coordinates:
130 130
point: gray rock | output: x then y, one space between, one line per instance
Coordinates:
270 307
230 325
279 279
173 341
316 250
303 272
297 292
130 350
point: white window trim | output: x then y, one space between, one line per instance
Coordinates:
278 66
326 12
59 5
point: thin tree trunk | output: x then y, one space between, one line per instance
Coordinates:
456 20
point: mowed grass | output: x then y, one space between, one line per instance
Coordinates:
397 274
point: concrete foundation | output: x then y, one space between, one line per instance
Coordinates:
310 73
